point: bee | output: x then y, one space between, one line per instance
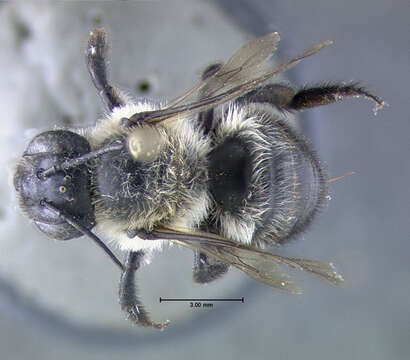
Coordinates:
219 170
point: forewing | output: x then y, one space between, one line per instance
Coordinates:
243 66
246 64
326 271
221 92
259 265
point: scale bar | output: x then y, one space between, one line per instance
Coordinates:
193 299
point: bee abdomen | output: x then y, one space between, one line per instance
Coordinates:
265 179
230 173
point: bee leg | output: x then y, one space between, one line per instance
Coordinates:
327 94
97 68
205 118
129 301
207 269
286 98
278 95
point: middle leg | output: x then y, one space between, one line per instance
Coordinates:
129 301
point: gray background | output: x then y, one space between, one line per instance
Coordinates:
59 300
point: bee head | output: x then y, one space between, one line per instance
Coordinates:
67 189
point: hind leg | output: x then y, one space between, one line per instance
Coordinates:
286 98
129 301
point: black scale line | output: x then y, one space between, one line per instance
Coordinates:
194 299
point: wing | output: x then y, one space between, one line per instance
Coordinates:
242 73
244 65
258 264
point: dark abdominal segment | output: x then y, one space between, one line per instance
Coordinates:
230 174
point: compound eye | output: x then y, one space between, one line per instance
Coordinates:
58 142
63 231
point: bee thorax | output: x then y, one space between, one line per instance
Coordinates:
158 178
